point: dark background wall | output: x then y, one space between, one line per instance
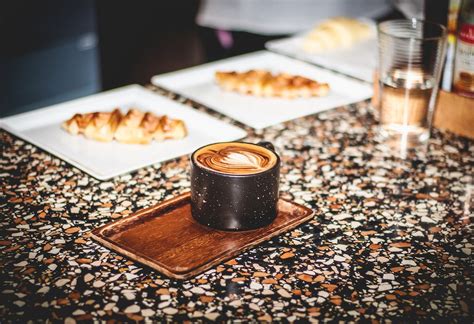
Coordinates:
55 50
141 39
52 50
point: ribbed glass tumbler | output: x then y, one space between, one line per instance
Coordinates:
411 54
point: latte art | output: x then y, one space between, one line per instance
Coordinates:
235 158
227 159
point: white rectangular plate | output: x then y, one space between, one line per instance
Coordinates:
198 84
105 160
358 61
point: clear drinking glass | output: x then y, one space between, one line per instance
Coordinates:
411 55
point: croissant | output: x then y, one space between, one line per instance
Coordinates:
135 127
265 84
336 33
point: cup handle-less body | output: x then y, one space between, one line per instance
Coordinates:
235 202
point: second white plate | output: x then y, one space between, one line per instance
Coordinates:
197 83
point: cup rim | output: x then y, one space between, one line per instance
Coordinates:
194 164
426 22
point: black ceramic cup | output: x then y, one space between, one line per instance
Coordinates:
234 201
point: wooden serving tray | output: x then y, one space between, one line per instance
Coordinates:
166 238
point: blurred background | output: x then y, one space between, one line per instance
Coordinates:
52 51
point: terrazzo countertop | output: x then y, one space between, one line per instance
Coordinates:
390 239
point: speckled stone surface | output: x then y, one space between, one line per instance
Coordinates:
391 239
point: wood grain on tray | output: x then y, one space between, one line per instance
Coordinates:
166 237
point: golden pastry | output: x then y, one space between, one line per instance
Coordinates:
336 33
265 84
135 127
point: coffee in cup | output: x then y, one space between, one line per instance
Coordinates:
234 185
235 158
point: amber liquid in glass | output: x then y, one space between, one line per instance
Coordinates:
404 108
